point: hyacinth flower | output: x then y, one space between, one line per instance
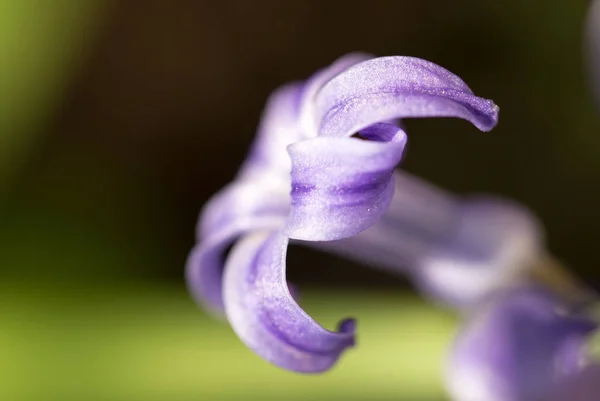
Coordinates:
321 172
523 345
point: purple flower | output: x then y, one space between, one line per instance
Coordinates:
518 348
335 191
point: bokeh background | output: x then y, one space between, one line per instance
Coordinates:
119 118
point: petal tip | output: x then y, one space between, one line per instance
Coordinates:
395 87
492 114
348 326
263 313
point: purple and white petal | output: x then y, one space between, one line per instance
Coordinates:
388 88
492 243
456 251
263 196
206 261
418 216
309 118
204 271
341 186
593 39
517 348
264 315
279 127
241 207
287 118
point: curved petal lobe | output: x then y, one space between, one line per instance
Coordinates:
279 126
517 349
263 196
491 243
316 81
205 263
388 88
240 207
288 117
341 186
418 217
262 312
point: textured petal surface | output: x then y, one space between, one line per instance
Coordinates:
341 186
289 116
262 312
517 348
593 38
491 242
418 216
309 116
456 251
205 264
388 88
241 207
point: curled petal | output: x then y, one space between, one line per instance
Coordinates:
491 242
341 186
289 117
418 217
262 312
593 39
204 271
309 120
279 126
388 88
205 263
317 80
517 348
263 196
456 251
241 207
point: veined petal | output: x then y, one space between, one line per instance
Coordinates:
593 39
491 243
517 348
388 88
341 186
418 217
266 317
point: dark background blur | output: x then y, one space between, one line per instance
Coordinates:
153 105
